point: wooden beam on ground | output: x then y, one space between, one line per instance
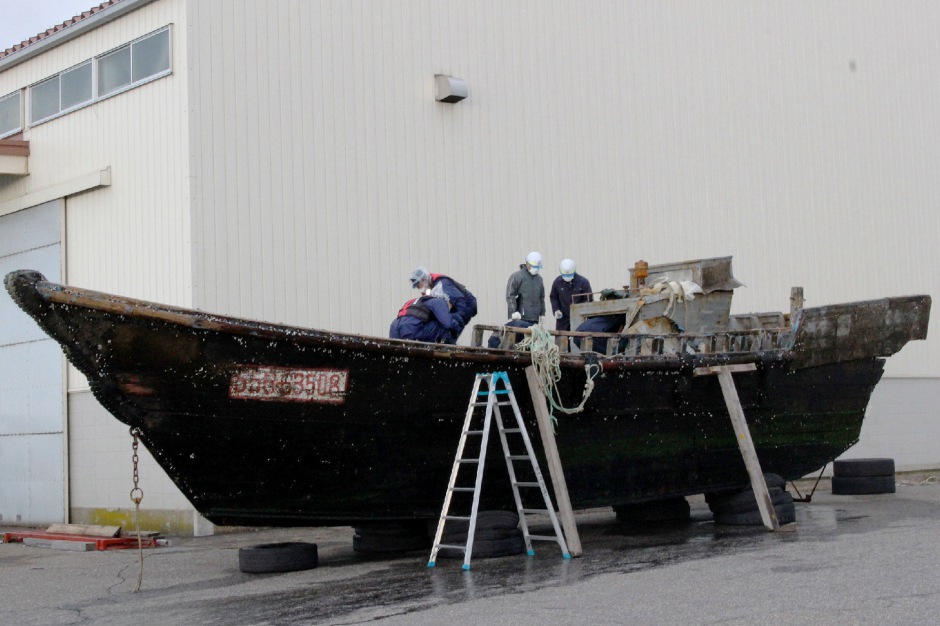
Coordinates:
565 513
743 435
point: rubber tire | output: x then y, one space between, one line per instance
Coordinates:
746 501
484 534
851 468
393 529
671 510
269 558
370 542
506 520
786 514
862 485
771 480
489 549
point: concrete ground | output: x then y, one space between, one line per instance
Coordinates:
871 559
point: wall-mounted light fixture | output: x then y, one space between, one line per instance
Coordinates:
449 88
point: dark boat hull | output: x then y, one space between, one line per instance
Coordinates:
267 425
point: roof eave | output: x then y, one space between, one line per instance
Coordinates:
74 30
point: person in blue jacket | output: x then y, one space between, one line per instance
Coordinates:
567 284
426 318
463 302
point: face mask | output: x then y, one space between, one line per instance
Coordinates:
567 277
533 270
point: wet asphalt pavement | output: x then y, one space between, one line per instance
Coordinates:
849 560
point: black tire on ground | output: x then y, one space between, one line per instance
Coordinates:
266 558
850 468
771 480
481 533
369 542
860 485
786 514
671 510
485 519
411 528
746 501
488 549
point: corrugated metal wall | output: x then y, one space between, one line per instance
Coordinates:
802 140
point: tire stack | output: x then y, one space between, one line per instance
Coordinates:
740 508
672 510
863 476
391 537
497 533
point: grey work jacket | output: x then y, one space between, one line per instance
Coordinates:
526 293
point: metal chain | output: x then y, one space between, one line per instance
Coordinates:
137 495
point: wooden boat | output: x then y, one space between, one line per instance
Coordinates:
266 424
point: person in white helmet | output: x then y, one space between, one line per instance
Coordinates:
566 285
525 295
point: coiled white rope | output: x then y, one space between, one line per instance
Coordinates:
546 361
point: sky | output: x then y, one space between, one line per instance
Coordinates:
21 19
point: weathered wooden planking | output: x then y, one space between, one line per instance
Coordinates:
858 330
87 530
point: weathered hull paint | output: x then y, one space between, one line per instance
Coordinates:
376 438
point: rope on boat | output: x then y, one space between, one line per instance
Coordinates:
546 361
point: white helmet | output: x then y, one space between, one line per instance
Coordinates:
566 269
534 260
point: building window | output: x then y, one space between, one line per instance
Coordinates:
44 99
134 63
75 86
115 71
11 117
64 91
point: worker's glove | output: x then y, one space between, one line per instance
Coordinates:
516 316
558 315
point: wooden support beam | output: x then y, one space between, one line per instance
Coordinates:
743 435
565 513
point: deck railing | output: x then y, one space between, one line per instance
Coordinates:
722 342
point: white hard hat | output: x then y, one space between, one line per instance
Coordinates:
566 268
534 259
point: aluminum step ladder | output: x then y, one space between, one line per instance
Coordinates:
492 405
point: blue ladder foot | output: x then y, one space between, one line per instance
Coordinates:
531 552
430 563
567 556
466 566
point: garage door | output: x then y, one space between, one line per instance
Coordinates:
32 439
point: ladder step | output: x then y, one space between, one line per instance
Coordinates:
533 510
527 484
452 545
511 430
457 517
469 461
518 457
473 432
463 488
544 537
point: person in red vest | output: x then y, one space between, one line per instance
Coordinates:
426 318
463 302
